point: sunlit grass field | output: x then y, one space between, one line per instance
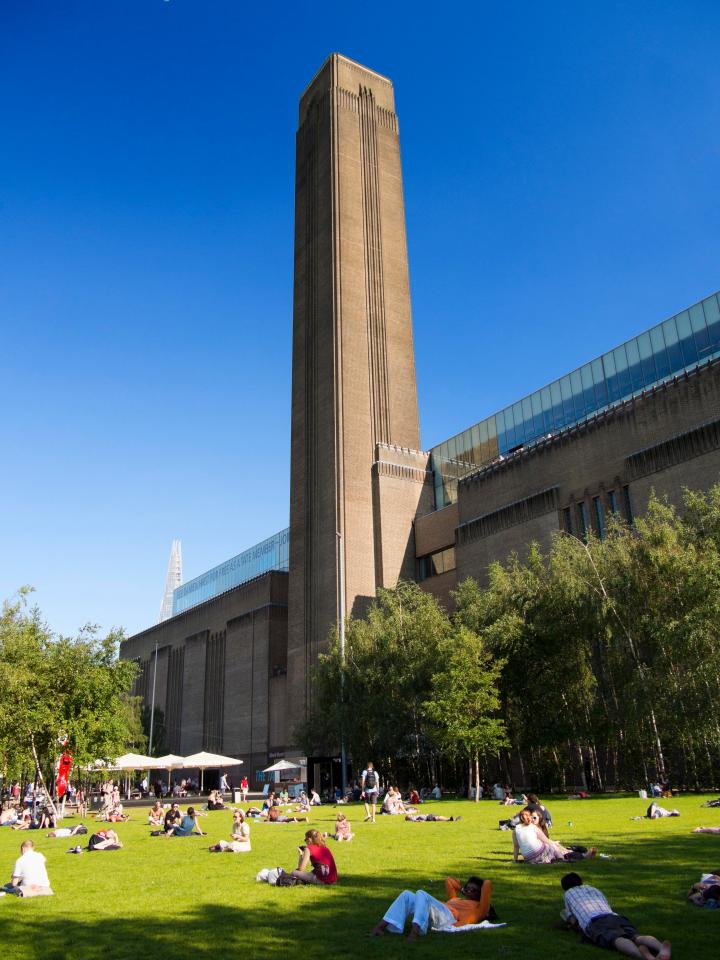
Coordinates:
164 898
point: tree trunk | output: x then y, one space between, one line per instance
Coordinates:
477 779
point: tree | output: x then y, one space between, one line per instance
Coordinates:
60 685
465 701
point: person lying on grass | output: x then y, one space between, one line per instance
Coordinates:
429 818
425 911
535 847
706 830
62 832
104 840
274 816
315 855
656 812
707 890
588 911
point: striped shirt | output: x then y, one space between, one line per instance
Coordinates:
585 903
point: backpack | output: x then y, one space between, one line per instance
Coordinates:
370 780
286 880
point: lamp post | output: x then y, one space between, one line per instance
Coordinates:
152 708
341 633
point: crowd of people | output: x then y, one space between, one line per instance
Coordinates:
466 906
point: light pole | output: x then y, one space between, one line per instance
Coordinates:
152 708
341 633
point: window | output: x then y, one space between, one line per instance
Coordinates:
628 504
582 518
567 520
612 501
599 517
435 563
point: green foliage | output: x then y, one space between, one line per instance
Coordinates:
52 685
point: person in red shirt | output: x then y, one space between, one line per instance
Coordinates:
426 911
316 855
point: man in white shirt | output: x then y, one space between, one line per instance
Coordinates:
29 876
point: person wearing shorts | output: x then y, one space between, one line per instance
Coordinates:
587 909
370 787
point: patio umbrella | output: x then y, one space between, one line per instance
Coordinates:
284 765
133 761
205 761
169 762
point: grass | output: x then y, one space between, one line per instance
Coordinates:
168 898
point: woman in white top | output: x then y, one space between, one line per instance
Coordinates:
240 842
530 841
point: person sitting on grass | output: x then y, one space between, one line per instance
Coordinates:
215 801
535 806
429 818
29 876
62 832
535 847
274 816
343 830
172 818
315 855
425 911
104 840
392 803
188 826
588 910
707 891
10 816
156 817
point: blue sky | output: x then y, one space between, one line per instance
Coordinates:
561 168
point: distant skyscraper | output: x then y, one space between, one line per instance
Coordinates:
173 579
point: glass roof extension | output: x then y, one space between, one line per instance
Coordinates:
689 338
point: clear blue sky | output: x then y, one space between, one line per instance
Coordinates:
561 166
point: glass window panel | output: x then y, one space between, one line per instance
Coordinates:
657 342
576 387
546 403
568 409
567 520
501 435
634 368
538 421
588 390
699 327
612 501
556 409
712 319
687 341
611 380
622 371
647 362
672 345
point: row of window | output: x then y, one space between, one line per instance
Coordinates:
582 517
435 563
678 344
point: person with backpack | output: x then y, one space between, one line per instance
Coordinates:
370 788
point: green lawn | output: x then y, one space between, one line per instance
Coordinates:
167 898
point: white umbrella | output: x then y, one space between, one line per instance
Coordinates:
133 761
284 765
204 761
169 762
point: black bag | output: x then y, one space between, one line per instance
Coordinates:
371 780
81 829
286 880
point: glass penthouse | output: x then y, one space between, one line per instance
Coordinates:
686 340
